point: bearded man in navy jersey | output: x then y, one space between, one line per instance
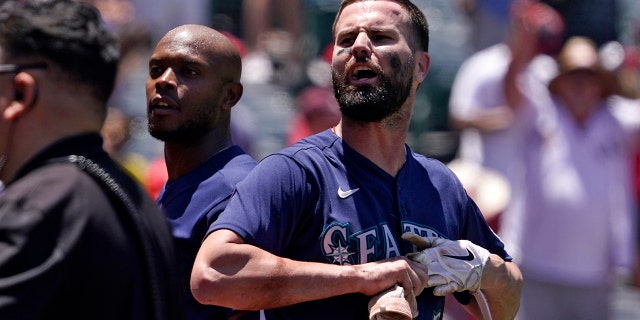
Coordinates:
317 229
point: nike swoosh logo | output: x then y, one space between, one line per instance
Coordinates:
345 194
468 257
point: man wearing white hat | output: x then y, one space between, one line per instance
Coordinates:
577 228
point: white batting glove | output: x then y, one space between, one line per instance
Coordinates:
453 265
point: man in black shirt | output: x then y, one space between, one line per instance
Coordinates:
79 238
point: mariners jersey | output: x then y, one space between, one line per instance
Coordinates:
192 202
319 200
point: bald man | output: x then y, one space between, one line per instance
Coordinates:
194 81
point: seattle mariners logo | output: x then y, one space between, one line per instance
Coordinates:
343 247
335 245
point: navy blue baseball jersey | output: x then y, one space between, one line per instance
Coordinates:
319 200
192 202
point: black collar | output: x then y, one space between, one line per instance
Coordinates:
88 145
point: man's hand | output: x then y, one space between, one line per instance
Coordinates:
393 304
453 265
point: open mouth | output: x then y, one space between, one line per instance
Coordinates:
161 106
363 73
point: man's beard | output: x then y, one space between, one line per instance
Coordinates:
373 103
186 133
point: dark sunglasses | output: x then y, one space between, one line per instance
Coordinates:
15 68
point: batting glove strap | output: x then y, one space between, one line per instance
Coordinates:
453 265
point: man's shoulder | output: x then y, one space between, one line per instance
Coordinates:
54 179
435 170
227 168
62 184
428 163
59 189
241 161
320 143
315 155
224 180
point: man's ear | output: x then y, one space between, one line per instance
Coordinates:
24 96
423 63
232 94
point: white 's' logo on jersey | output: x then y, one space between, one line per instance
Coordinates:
343 247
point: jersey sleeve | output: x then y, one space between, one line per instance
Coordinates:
477 230
473 226
268 204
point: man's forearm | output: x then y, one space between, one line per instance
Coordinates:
248 278
502 288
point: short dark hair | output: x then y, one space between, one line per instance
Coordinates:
70 34
417 19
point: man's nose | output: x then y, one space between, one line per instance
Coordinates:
361 46
167 80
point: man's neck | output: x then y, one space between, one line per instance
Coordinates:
181 158
377 142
